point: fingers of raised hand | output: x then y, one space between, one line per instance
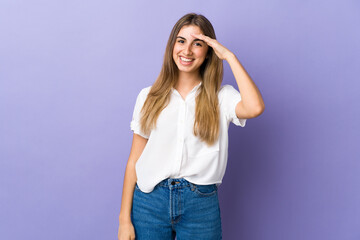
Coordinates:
207 39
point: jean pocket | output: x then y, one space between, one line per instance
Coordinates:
205 190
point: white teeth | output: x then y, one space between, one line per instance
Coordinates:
186 60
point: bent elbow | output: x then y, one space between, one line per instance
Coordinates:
259 110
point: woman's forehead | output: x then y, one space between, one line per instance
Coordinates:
187 29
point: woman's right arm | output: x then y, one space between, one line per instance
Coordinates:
125 225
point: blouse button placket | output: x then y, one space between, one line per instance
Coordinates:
181 132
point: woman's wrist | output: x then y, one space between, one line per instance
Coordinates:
229 55
124 219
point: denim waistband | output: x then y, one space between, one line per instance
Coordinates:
176 182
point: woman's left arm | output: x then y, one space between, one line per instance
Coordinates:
252 103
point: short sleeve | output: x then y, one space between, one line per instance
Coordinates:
230 98
135 122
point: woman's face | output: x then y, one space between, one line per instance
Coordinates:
189 52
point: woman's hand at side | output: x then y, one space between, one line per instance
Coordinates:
126 231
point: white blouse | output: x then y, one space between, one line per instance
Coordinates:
174 151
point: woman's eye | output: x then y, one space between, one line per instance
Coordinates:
181 41
199 44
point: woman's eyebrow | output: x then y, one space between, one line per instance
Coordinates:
196 39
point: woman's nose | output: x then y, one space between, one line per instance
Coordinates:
187 49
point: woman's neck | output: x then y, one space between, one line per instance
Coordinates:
187 81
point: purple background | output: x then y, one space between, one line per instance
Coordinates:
70 72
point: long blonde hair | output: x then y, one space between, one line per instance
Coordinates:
206 124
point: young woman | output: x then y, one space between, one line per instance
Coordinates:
179 149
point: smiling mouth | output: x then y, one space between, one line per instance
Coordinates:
186 59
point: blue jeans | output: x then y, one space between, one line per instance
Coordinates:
177 207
